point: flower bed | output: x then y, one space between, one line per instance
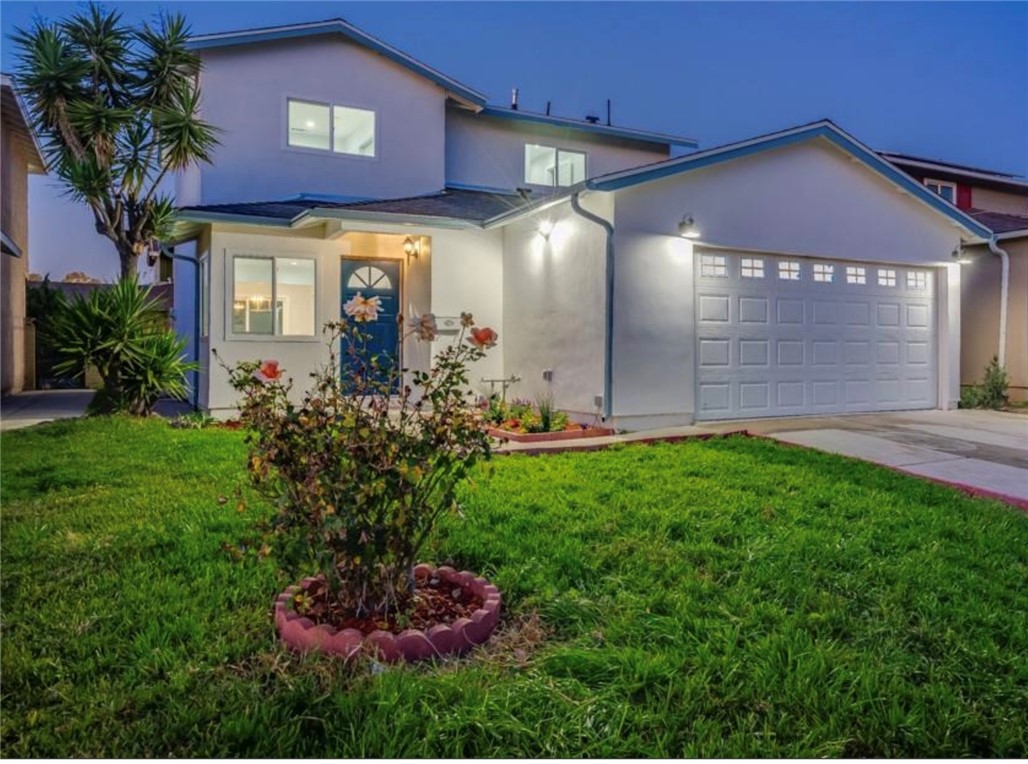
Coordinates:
571 432
477 610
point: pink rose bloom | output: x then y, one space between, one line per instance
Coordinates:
483 337
268 371
424 326
362 309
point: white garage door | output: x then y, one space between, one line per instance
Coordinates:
781 336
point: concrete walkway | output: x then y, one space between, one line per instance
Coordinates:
982 452
27 409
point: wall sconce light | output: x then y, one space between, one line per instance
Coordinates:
687 228
545 229
411 247
959 256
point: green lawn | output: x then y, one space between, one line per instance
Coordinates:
721 598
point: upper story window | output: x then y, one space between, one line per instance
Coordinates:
273 296
343 129
549 166
943 188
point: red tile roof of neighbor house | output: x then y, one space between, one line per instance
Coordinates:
1000 222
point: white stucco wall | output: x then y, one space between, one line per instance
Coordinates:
490 151
553 302
808 199
244 93
457 270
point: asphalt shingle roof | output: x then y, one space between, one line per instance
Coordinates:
1000 222
450 203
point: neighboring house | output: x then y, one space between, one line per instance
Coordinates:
773 276
19 156
1000 202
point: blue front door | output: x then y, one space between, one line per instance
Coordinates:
381 279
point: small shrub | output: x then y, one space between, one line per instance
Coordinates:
122 332
991 393
364 465
194 420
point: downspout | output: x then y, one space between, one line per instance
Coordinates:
608 336
170 252
1004 288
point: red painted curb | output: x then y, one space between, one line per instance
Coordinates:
302 635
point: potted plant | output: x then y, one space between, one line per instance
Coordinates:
360 469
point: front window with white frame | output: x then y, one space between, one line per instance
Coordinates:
887 277
917 280
550 166
789 270
341 129
273 296
752 268
943 188
823 273
715 266
856 274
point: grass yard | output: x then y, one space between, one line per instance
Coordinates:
721 598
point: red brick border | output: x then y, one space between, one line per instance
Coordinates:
546 437
301 635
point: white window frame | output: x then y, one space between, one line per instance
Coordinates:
887 277
230 296
824 273
856 274
929 182
789 270
556 167
751 267
331 150
713 266
917 280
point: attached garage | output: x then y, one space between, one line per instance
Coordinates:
789 336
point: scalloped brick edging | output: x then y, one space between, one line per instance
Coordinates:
300 634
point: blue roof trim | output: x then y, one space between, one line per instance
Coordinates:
575 124
203 42
825 130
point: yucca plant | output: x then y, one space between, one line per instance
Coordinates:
117 109
121 331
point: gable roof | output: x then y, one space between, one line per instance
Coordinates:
349 31
449 208
598 128
824 129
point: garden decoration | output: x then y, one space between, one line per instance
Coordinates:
360 470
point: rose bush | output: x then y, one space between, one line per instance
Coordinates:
362 467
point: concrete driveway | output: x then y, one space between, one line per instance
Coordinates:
984 451
27 409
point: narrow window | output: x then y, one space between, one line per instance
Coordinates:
205 296
752 268
549 166
886 277
789 270
353 131
917 280
855 275
823 273
309 125
273 296
713 265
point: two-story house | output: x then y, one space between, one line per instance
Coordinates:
792 273
1000 202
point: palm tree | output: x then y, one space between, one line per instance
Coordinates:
117 109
